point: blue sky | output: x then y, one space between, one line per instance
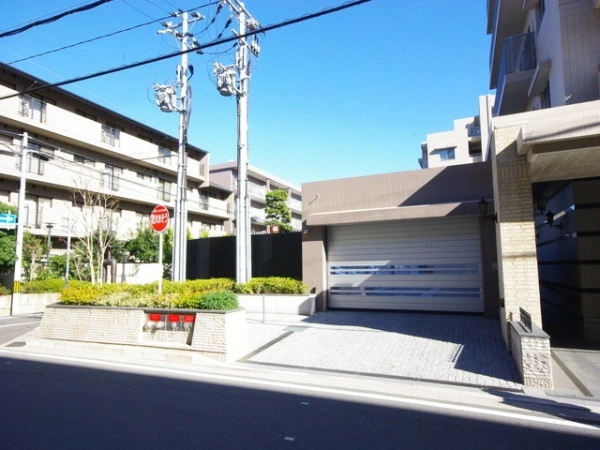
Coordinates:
349 94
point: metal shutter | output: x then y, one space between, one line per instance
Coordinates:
419 265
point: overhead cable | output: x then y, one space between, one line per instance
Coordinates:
97 38
193 49
53 18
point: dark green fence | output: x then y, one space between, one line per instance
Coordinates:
276 255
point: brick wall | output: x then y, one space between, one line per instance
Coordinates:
515 232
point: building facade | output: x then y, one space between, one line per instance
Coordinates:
72 145
467 143
259 184
421 240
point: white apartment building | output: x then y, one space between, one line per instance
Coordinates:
544 53
467 142
84 145
259 183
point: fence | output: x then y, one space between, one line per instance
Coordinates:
272 255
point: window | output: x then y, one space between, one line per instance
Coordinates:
35 209
164 155
446 154
111 135
474 148
83 160
110 177
33 108
164 190
35 159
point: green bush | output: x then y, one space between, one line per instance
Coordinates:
215 293
5 291
42 286
221 300
273 285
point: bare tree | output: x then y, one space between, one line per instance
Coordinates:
95 219
34 249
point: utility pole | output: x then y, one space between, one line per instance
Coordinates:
166 100
226 84
20 224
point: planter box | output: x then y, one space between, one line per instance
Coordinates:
220 335
303 305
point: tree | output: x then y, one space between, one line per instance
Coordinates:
144 247
34 249
96 211
278 213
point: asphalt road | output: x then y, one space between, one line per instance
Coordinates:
12 327
62 404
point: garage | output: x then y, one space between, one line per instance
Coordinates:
414 265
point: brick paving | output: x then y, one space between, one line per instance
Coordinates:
461 349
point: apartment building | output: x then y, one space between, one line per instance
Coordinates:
75 145
259 183
545 67
467 142
544 53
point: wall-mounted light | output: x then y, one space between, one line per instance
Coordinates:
550 220
483 210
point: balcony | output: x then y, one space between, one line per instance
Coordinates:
517 68
69 127
505 18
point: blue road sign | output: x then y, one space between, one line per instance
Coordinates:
8 220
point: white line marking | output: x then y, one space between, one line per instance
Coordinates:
282 384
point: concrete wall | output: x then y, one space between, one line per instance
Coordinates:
580 29
26 303
220 335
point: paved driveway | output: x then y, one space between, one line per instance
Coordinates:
460 349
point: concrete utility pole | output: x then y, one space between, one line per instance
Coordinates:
166 99
20 224
226 84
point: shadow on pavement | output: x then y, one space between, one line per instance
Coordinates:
555 408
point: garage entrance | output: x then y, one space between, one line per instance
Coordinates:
418 265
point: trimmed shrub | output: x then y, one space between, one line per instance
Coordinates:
190 294
42 286
221 300
273 285
4 290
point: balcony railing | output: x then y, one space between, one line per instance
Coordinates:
518 55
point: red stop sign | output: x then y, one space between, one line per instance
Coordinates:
159 219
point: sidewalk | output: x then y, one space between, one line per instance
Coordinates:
460 350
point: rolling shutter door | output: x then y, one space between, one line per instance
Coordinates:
419 265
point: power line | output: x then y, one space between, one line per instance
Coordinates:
97 38
194 49
53 18
86 41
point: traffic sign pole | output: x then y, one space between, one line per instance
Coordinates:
159 220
